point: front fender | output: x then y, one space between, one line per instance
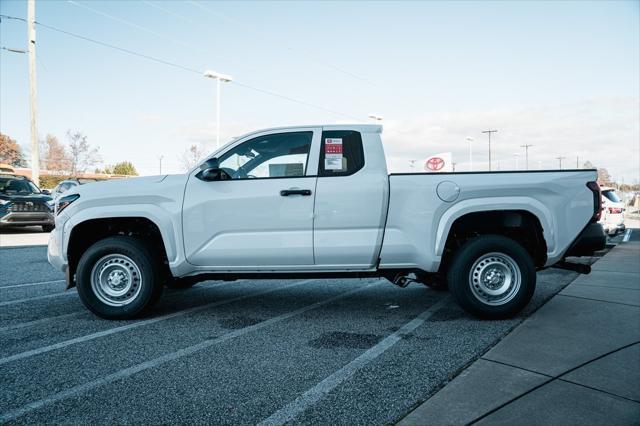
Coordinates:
154 213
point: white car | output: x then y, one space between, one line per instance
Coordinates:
66 185
317 201
613 209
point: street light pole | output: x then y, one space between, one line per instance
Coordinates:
489 133
470 140
218 113
560 160
219 78
33 93
160 158
526 154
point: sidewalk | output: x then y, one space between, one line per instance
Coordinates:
574 361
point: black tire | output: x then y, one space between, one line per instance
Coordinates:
180 283
499 255
48 228
149 282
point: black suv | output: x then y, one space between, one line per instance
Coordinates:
22 203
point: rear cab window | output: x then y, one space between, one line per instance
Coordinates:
341 153
611 195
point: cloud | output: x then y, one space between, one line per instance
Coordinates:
603 131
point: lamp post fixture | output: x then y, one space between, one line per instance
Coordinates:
219 78
375 117
470 140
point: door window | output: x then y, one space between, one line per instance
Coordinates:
341 153
271 156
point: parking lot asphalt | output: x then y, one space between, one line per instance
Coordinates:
247 352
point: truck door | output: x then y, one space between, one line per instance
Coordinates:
351 200
261 217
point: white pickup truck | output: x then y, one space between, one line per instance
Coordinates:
317 201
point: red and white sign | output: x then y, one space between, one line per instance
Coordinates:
333 154
439 163
333 146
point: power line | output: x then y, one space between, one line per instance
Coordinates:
295 100
122 49
182 67
132 24
308 55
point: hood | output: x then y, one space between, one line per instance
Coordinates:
25 197
128 190
116 185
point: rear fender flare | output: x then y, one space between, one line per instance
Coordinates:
476 205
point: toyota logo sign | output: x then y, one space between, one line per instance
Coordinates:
434 164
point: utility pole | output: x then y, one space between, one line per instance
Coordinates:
489 133
526 154
33 93
160 158
560 160
577 161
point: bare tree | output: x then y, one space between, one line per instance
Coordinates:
192 156
54 156
81 154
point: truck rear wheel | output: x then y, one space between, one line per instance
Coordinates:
492 277
118 278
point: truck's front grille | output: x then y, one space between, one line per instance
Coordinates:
29 206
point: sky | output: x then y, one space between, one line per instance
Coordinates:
562 76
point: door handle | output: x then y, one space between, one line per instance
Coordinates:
287 192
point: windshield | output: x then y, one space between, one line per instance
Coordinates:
611 195
10 185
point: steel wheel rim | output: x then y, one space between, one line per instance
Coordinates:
116 280
495 279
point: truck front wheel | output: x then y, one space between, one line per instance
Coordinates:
118 278
492 277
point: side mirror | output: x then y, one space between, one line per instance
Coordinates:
209 170
46 192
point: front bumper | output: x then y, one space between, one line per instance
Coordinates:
27 219
55 253
591 239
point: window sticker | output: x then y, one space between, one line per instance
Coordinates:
333 154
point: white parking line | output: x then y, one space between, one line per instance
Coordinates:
47 319
313 395
29 299
31 284
627 236
128 372
38 321
110 331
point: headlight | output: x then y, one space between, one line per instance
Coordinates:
51 204
4 202
63 202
